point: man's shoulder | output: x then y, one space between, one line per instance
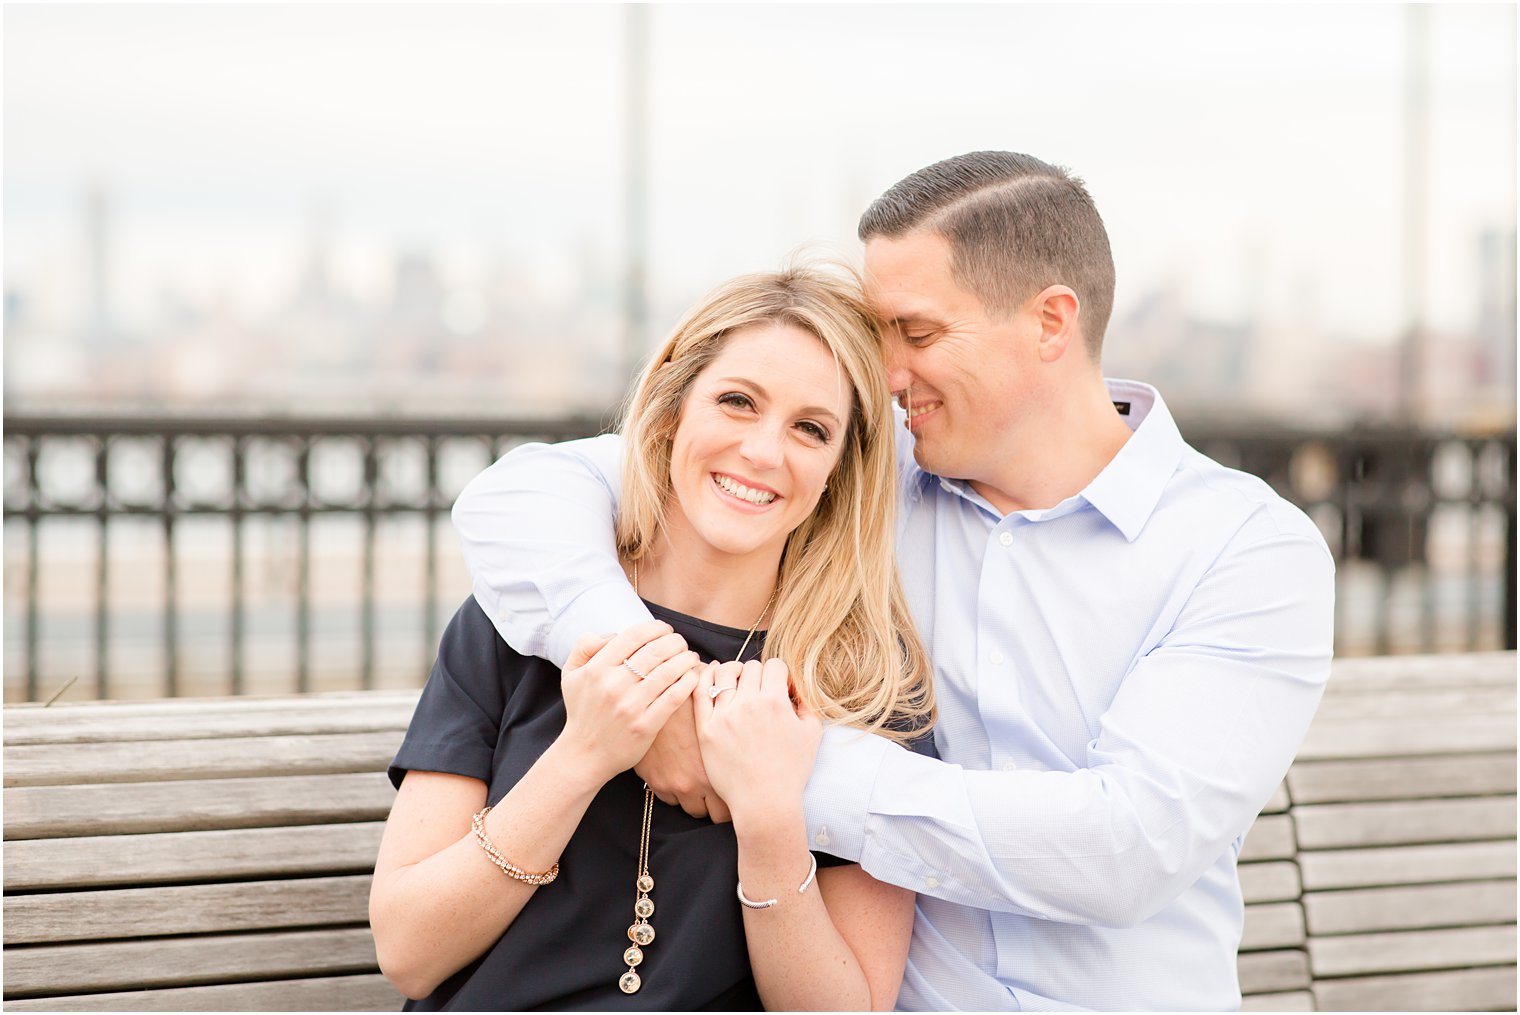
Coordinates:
1212 487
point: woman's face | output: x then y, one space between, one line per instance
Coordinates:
760 432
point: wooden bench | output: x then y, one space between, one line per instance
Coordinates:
215 854
1382 876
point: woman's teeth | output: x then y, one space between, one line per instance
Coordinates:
743 492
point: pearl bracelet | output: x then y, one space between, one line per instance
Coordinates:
768 903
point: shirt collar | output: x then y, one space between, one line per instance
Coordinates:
1128 489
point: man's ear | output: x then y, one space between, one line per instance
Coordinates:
1058 311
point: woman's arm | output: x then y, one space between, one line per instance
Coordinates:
840 945
438 901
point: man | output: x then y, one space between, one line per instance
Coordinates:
1129 639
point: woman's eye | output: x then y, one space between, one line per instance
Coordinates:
814 431
735 400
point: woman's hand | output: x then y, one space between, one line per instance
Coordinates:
757 747
612 713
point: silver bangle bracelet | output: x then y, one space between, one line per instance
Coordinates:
768 903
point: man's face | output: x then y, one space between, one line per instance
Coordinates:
965 376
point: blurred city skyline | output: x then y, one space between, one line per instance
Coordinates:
426 210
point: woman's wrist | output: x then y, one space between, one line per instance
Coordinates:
575 769
769 825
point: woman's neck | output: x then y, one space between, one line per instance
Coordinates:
718 588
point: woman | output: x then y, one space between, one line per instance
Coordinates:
756 520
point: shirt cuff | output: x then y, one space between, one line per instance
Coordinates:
836 801
601 609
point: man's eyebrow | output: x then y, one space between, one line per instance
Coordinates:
759 389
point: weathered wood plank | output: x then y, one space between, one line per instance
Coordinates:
1273 925
36 812
1411 951
1379 674
105 727
1318 782
176 962
24 716
1403 865
233 757
1278 802
1274 881
1408 822
1388 738
1433 704
1271 837
1490 989
1267 972
57 917
365 992
1293 1000
97 861
1410 908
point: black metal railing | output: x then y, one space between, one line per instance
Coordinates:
220 495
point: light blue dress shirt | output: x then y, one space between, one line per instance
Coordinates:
1123 679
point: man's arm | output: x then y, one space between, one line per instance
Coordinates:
537 529
538 535
1200 733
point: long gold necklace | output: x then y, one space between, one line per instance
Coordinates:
640 932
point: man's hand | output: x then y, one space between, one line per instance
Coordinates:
673 768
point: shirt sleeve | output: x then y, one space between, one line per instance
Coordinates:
537 530
458 718
1200 733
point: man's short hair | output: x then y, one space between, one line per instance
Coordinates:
1015 225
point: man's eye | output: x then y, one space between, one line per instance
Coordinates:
917 339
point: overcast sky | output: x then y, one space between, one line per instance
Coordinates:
1246 156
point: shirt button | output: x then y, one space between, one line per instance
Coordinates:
931 882
995 657
1006 539
1009 766
822 838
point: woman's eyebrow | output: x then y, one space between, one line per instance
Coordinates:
807 410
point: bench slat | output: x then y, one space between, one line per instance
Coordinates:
1379 674
366 992
1402 865
35 812
1268 972
1411 951
1273 925
186 909
1411 908
174 962
104 728
27 715
1491 989
1413 704
1384 738
1333 826
1318 782
1271 838
91 861
1293 1000
232 757
1270 882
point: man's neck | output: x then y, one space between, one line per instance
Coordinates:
1058 457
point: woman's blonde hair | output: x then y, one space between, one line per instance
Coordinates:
841 622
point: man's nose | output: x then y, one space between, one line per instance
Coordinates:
899 377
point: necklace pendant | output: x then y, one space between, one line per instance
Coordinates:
644 908
629 982
641 934
645 883
633 956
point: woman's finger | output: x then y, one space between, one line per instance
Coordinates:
774 676
586 646
632 638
